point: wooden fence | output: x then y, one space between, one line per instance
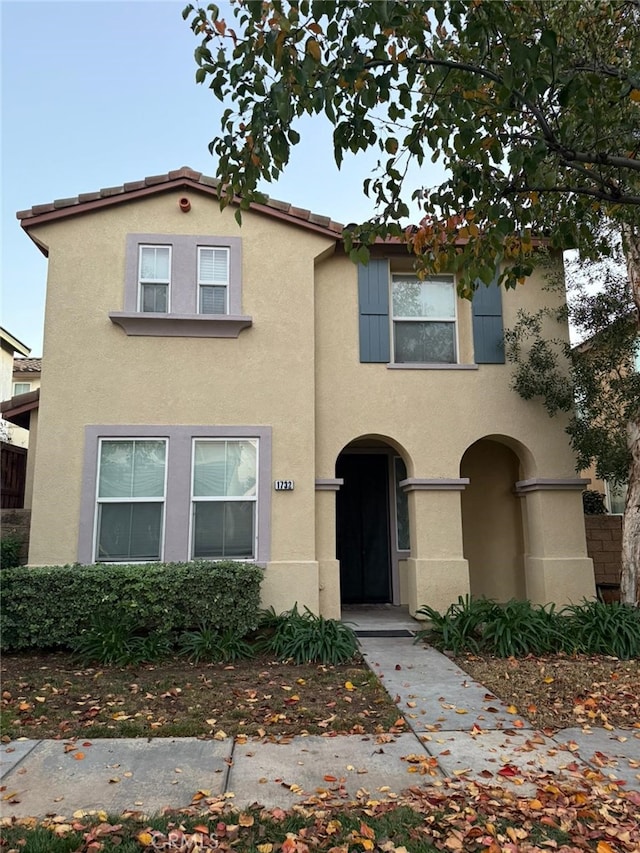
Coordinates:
13 474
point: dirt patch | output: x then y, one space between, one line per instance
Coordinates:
558 691
48 695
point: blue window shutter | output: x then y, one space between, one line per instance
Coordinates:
488 331
373 302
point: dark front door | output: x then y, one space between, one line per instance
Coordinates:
362 528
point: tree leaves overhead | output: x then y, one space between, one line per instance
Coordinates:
533 108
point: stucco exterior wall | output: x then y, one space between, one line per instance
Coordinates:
297 371
431 417
265 376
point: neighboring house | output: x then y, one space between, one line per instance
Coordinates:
13 459
26 380
9 346
254 395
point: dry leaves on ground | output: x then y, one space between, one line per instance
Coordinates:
558 691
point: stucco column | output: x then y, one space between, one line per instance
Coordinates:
328 566
436 571
557 568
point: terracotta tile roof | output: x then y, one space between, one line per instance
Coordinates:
27 365
184 177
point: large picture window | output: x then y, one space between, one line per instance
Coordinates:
424 319
130 499
175 493
224 495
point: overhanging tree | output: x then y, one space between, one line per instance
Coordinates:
532 107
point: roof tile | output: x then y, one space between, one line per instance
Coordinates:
186 174
27 365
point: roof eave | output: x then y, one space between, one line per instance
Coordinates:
65 211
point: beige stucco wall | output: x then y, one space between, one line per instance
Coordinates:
492 521
297 370
265 376
432 416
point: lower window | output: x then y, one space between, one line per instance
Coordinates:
224 494
130 499
175 493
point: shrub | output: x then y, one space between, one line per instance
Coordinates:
519 628
53 605
112 639
596 627
307 638
593 502
207 644
459 628
10 547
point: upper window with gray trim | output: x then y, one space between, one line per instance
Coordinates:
182 285
154 278
424 319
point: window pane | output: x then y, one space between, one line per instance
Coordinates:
148 469
213 299
214 265
425 343
430 298
154 298
617 494
224 468
402 507
129 531
131 469
21 387
154 263
223 529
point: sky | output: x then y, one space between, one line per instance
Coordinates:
95 94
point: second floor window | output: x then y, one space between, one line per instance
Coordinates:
154 278
21 387
424 319
213 280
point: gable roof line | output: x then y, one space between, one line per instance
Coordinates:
184 177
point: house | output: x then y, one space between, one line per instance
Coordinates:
255 395
9 346
26 381
13 458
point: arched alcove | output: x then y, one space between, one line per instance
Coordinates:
372 520
492 516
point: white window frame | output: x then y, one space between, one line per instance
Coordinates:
99 501
142 281
17 384
224 499
400 276
202 284
608 490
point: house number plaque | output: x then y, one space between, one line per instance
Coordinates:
283 485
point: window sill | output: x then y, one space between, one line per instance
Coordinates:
409 365
181 325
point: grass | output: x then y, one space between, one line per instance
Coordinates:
48 696
452 817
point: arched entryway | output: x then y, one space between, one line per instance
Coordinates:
372 521
492 519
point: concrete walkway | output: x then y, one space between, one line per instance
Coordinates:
453 728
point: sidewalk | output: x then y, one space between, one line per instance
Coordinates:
453 728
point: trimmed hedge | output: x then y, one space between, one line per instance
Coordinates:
49 606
